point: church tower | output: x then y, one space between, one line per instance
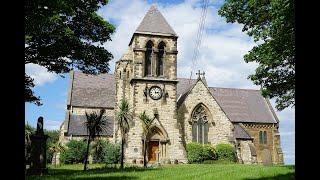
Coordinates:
146 76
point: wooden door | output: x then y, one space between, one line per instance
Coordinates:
153 148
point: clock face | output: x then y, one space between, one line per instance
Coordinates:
155 92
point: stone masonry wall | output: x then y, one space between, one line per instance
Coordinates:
220 127
272 145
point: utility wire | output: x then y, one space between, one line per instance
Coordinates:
199 35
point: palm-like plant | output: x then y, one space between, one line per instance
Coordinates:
56 148
123 118
146 123
28 131
95 124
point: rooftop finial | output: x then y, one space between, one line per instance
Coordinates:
198 73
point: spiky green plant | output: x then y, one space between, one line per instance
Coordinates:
56 148
123 118
146 123
96 125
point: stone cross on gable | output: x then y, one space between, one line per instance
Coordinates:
200 74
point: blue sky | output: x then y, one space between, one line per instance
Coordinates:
220 56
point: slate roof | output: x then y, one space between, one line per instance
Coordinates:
78 128
240 105
244 105
240 133
154 22
92 90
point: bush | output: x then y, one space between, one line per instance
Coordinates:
74 153
112 153
209 152
225 152
98 151
197 153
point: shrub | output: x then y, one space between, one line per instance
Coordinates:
112 153
209 152
98 151
74 153
226 152
197 153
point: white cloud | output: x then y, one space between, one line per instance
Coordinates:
40 74
52 125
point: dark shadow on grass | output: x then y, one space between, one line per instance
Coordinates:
278 177
102 170
109 177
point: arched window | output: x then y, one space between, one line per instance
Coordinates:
160 58
263 137
148 56
200 125
260 137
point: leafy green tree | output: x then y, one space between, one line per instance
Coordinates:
74 153
62 34
271 23
123 118
96 125
146 124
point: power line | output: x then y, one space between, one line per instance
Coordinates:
199 34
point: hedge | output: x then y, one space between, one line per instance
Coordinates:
197 153
225 152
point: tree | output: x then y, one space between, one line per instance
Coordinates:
95 124
62 34
271 24
146 123
28 131
55 148
123 118
53 138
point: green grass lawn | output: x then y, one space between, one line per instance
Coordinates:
188 171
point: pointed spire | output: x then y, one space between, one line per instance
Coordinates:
154 22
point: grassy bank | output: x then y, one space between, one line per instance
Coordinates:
188 171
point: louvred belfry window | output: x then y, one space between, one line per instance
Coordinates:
148 58
200 125
160 59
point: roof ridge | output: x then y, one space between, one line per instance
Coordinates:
245 89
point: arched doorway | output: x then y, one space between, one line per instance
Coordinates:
156 144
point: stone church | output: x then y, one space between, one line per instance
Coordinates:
184 110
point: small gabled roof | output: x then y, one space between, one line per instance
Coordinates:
154 22
240 132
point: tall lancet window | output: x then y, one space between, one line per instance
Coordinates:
148 57
160 59
200 125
